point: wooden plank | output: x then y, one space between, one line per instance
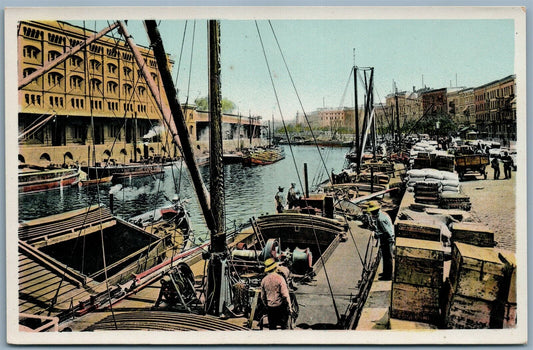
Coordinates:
36 276
415 303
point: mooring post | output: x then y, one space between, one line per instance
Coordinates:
306 181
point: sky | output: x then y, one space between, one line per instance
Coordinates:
320 55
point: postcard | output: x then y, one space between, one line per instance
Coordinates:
266 175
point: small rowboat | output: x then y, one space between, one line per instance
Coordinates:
101 180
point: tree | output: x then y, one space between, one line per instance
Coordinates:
202 104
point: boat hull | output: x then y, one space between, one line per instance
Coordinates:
47 180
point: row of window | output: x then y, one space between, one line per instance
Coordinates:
32 32
96 105
78 103
56 39
506 91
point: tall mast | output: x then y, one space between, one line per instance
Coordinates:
356 112
216 169
175 121
398 132
215 272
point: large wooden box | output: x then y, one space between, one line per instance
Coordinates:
419 262
477 272
415 230
468 313
415 303
472 233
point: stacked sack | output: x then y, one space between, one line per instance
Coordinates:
446 181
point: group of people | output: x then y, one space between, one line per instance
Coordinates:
507 166
292 198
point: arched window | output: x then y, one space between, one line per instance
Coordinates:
142 90
54 78
76 61
154 76
31 51
112 87
127 72
127 89
28 71
94 84
52 55
76 82
111 68
95 65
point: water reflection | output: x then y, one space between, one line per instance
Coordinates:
249 191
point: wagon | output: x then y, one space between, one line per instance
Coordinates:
471 163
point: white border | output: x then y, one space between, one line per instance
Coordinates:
13 15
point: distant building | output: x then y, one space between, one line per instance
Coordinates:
462 111
495 108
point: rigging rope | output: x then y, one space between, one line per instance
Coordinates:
296 167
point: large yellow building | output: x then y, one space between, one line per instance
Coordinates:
96 96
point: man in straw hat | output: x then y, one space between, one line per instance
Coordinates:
383 228
275 296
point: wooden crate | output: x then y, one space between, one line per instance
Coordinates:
415 230
468 313
419 262
415 303
477 272
472 233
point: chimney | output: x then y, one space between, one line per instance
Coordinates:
414 88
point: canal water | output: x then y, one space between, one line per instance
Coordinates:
249 191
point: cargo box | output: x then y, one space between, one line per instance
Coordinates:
415 230
477 272
415 303
477 234
419 262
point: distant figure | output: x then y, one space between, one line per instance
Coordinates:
279 200
495 164
507 165
383 228
292 199
275 296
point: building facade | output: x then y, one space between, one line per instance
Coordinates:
97 96
495 109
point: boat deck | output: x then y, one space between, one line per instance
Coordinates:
344 269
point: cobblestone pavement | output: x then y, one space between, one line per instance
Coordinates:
494 203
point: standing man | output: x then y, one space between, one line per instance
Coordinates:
507 165
291 196
495 164
279 200
383 228
275 296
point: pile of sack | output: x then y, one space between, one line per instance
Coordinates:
447 182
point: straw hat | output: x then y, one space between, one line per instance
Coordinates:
372 206
270 264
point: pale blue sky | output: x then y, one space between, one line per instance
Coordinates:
319 54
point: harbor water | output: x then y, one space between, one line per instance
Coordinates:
249 191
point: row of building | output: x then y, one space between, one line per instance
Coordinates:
98 96
489 109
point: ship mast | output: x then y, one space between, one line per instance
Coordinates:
217 263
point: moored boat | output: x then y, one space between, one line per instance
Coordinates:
31 180
101 180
